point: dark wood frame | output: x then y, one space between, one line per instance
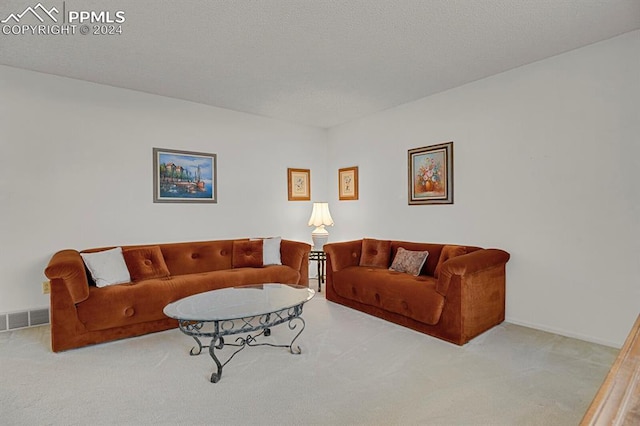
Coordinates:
290 184
341 192
445 177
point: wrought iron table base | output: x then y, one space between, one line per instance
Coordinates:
221 328
320 257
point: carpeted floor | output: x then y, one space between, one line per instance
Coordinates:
354 370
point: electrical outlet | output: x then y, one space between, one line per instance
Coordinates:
46 287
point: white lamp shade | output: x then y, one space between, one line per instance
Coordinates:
320 215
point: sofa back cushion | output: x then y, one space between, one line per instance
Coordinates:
247 254
432 260
375 253
145 263
448 252
197 257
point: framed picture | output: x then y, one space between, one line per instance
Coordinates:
431 174
348 183
299 184
184 177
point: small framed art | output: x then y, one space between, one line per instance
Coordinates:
431 174
299 184
348 183
184 177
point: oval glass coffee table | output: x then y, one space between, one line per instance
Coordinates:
240 310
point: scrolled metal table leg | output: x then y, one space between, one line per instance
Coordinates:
215 377
192 351
292 326
220 344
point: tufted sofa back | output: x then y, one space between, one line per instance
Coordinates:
190 257
380 253
197 257
434 250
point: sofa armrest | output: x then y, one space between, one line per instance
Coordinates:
468 264
67 268
344 254
296 255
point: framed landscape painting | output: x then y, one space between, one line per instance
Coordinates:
348 183
431 174
299 184
184 176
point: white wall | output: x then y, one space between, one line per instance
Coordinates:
77 173
547 165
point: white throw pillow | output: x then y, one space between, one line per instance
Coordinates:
107 267
270 250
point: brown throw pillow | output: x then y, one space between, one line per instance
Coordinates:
375 253
409 261
247 254
145 263
447 253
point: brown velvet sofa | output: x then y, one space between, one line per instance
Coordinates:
458 294
83 314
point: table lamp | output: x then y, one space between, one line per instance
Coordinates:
320 217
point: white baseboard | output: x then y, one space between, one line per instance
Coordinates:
565 333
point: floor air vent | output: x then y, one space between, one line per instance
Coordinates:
39 317
18 320
15 320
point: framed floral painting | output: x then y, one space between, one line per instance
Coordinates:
299 184
348 183
431 174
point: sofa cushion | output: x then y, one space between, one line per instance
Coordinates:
145 263
375 253
404 294
107 267
409 261
126 304
247 254
448 252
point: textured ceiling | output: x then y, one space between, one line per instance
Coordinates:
315 62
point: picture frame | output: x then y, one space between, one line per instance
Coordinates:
431 174
184 176
299 184
348 183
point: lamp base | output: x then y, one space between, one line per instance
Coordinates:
319 240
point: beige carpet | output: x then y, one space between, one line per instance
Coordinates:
354 370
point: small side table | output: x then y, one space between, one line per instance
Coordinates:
320 257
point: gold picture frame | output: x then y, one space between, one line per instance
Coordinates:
348 183
299 184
